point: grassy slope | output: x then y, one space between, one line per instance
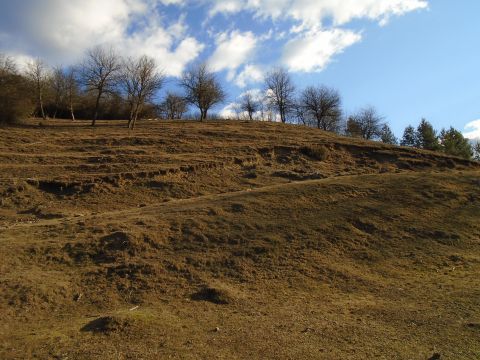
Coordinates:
317 246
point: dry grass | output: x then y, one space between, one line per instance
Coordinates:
233 241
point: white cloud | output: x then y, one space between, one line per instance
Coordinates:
472 130
173 2
233 49
257 94
314 44
60 31
170 47
312 13
313 50
225 7
342 12
251 74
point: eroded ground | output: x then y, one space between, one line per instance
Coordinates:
233 241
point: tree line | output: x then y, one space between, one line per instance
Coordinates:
105 85
321 107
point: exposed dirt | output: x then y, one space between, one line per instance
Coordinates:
233 241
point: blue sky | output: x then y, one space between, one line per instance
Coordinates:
409 58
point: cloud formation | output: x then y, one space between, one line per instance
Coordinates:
312 13
60 31
472 130
313 50
304 34
311 44
251 74
233 49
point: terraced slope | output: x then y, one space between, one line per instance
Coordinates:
234 241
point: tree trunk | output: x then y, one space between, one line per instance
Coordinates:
130 117
97 104
40 103
44 117
282 116
135 116
72 113
70 104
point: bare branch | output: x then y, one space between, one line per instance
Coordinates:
280 91
249 104
140 81
323 105
99 73
202 89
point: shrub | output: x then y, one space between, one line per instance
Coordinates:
15 97
319 153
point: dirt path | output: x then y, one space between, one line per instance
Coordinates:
180 204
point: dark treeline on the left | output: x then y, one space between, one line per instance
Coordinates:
103 86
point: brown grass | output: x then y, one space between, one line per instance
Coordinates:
161 243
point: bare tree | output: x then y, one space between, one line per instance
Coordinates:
367 124
202 89
57 84
323 105
7 65
37 72
266 109
140 80
476 151
249 104
301 115
174 106
237 109
99 73
280 91
71 89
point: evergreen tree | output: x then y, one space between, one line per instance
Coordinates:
409 137
453 143
387 136
427 136
476 151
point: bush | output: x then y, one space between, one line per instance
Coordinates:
15 97
319 153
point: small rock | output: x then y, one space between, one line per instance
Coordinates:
308 330
217 329
435 356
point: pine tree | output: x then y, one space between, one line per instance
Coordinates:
453 143
409 137
387 135
427 136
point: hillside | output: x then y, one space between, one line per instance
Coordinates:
233 240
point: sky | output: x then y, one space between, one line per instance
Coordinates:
408 58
